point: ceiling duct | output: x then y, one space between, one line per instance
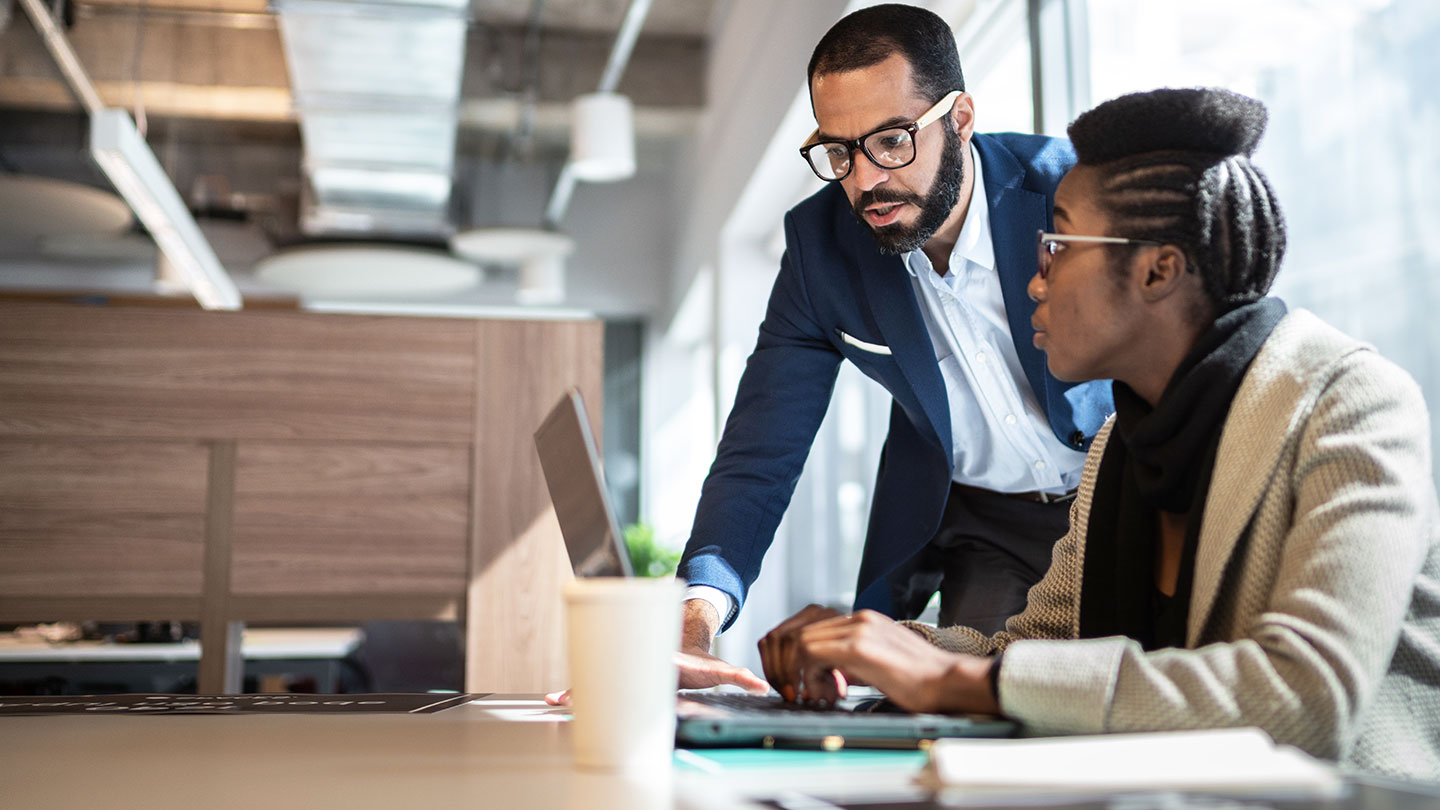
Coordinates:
377 89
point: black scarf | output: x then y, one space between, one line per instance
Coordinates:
1161 459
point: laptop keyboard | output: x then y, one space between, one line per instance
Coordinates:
748 703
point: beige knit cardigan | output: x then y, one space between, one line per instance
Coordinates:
1315 611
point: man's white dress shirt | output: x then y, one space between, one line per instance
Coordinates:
1000 439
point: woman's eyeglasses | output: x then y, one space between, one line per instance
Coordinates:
1051 243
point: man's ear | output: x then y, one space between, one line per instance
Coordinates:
1163 273
962 116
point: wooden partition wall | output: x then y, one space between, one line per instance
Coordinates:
270 466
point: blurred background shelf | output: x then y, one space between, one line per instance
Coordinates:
312 659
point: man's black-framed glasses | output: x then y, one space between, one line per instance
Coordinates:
1052 243
889 147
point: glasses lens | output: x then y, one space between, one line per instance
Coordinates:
831 161
890 148
1046 252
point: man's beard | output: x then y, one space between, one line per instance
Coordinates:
935 207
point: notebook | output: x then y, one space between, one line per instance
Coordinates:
570 461
1235 760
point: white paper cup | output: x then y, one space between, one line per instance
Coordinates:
622 637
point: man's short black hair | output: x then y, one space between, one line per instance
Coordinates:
1175 168
871 35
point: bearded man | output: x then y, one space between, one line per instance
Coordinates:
912 264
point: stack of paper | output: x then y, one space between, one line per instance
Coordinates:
1241 760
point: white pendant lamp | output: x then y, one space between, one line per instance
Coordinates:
602 138
539 255
360 269
46 208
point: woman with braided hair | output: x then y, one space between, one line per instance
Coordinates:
1255 539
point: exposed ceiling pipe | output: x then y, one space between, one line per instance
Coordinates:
624 44
524 138
609 80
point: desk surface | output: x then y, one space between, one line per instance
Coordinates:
496 753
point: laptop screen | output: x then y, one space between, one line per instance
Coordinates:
571 463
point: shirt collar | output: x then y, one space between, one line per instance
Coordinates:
974 244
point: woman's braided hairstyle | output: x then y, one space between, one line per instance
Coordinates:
1175 168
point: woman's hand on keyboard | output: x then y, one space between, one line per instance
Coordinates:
815 653
779 651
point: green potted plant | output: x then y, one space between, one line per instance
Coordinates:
647 557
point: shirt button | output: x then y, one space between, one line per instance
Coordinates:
1039 465
979 357
1009 418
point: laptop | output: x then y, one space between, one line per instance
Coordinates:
570 461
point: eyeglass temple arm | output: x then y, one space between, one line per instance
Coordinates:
1109 240
941 107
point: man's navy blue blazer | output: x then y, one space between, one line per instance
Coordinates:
833 280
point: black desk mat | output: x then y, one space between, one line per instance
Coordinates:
290 703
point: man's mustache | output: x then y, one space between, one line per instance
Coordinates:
869 198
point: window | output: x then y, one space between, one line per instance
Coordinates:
995 54
1350 147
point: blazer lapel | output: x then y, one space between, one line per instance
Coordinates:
1015 215
897 315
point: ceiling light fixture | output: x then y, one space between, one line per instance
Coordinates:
44 208
350 269
604 109
602 150
602 138
539 254
137 175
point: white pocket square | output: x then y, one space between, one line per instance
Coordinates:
873 348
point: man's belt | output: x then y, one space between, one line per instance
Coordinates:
1032 497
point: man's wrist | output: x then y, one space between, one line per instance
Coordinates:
699 623
723 602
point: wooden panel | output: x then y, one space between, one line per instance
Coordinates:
378 607
101 518
222 668
514 611
97 371
88 608
357 491
313 518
